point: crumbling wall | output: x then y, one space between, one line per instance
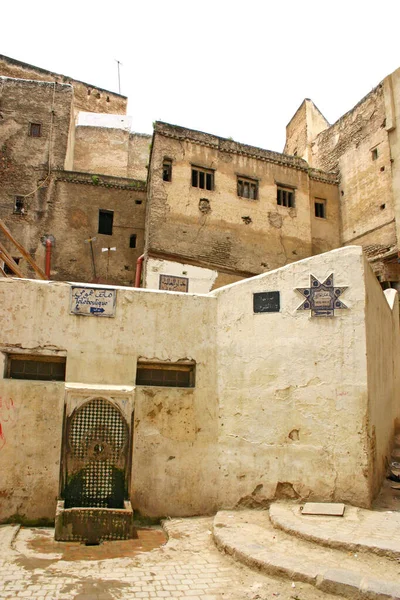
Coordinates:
357 146
217 229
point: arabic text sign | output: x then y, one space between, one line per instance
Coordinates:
93 302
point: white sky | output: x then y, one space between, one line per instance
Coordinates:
236 69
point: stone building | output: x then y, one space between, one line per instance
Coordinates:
203 211
363 148
46 191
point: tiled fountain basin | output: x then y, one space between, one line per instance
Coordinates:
92 525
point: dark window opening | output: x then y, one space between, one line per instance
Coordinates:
165 374
138 202
7 270
106 218
132 241
374 153
320 209
247 188
285 197
44 368
203 179
167 170
19 205
35 129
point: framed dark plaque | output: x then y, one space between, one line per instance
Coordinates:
266 302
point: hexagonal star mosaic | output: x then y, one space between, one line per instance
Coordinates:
322 298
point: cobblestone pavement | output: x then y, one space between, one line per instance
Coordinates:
188 567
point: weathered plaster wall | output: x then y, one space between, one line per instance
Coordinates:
101 150
293 389
383 359
110 147
73 217
139 155
230 232
87 97
174 459
283 404
325 232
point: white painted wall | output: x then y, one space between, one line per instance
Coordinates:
200 280
86 119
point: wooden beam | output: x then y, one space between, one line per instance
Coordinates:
10 262
24 253
3 273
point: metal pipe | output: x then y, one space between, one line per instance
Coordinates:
138 276
48 258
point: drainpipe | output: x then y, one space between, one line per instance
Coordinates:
48 258
139 265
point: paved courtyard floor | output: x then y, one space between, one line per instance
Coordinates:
188 567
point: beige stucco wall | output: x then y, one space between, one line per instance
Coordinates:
283 403
101 150
286 372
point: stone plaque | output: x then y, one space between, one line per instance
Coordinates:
322 298
173 283
331 509
93 302
266 302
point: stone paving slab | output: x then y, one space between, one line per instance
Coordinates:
188 567
358 530
250 538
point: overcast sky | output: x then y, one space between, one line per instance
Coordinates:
236 69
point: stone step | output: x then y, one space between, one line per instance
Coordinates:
249 537
358 530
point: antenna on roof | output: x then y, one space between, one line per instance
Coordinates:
119 79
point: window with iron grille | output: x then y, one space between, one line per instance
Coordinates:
202 178
165 374
247 188
106 218
44 368
167 170
35 130
320 208
285 197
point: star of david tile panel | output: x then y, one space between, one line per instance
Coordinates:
322 298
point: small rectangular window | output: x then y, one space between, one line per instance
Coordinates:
43 368
320 208
247 188
203 178
19 205
167 170
285 197
165 374
106 218
35 130
132 241
374 153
